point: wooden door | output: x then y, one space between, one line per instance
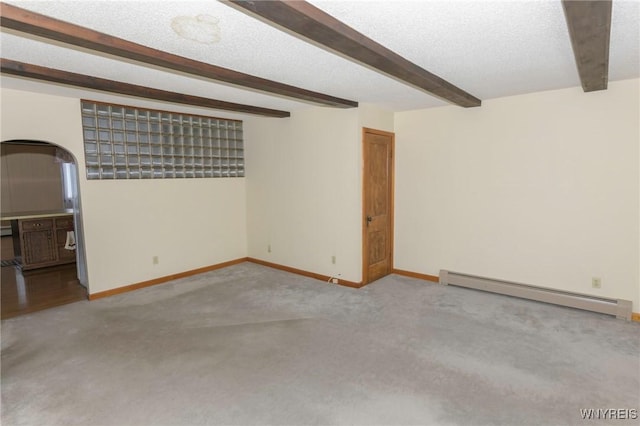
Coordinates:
377 256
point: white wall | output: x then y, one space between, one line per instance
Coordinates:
304 188
540 188
31 179
188 223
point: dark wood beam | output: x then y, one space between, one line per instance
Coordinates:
80 80
589 25
313 24
43 26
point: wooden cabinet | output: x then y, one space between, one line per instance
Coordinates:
41 241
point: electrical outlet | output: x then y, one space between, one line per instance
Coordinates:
333 260
334 280
269 248
156 260
596 282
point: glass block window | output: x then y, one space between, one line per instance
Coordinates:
122 142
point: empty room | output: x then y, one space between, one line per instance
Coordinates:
322 212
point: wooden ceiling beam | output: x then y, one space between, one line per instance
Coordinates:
314 24
589 25
37 72
43 26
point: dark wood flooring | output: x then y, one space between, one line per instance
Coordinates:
30 291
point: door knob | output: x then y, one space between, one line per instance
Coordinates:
369 219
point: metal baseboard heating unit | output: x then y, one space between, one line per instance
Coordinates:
619 308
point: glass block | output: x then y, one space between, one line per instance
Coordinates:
107 173
104 135
89 134
149 144
88 107
92 160
118 137
93 173
121 173
90 148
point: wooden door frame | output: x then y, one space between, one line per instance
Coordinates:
365 272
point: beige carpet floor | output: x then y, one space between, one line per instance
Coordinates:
249 345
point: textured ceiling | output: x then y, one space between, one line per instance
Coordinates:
488 48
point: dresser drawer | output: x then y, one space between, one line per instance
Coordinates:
65 223
36 224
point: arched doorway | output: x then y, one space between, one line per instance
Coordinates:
40 190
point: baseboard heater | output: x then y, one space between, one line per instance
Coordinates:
619 308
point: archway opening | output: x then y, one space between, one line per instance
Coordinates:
43 251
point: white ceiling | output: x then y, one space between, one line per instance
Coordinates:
488 48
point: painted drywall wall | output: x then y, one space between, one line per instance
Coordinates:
187 223
376 118
304 194
303 191
31 178
540 188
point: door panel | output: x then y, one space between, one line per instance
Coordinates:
377 204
